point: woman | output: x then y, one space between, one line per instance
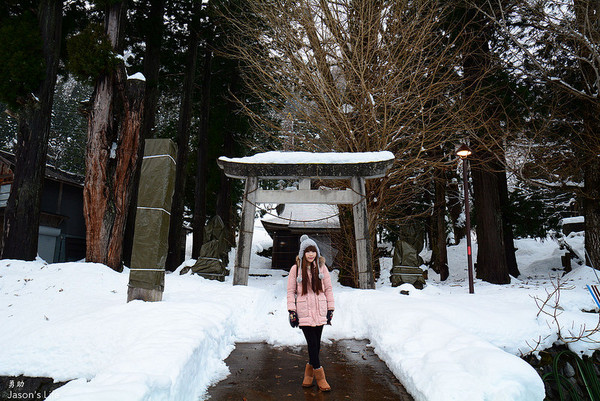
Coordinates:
310 305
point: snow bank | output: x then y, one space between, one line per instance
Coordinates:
71 322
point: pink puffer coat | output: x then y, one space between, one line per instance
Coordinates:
311 308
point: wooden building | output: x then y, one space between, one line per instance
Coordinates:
572 224
318 221
61 236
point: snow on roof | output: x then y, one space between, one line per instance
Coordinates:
301 215
279 157
50 171
572 220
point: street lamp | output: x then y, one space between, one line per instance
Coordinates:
464 152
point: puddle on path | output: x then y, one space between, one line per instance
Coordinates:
260 372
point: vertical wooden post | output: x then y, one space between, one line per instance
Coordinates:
304 183
244 246
361 232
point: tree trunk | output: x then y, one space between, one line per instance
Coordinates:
151 73
112 148
223 206
22 214
491 251
152 66
345 239
202 170
509 241
492 263
455 210
174 258
588 18
439 257
591 189
591 212
375 257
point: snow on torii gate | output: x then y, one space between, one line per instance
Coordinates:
356 167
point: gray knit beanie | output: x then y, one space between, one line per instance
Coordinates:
305 242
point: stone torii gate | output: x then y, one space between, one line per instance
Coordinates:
305 166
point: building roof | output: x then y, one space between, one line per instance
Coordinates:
51 172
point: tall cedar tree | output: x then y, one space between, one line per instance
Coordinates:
174 257
587 14
562 145
228 125
227 129
495 254
439 254
114 124
31 98
202 154
152 29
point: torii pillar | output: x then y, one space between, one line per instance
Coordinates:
304 166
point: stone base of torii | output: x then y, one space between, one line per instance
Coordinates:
305 166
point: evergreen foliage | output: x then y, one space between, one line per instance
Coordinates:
90 53
536 211
22 66
66 148
529 113
106 3
8 129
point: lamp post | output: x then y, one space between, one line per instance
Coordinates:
464 152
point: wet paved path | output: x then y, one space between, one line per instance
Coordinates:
260 372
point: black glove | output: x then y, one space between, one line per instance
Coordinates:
294 319
329 316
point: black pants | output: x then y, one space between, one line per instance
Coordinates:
313 340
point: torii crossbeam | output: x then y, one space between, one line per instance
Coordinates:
304 166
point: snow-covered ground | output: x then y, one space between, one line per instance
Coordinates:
71 322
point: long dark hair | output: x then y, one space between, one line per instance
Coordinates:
314 269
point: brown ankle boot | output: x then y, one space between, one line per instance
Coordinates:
321 382
308 376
